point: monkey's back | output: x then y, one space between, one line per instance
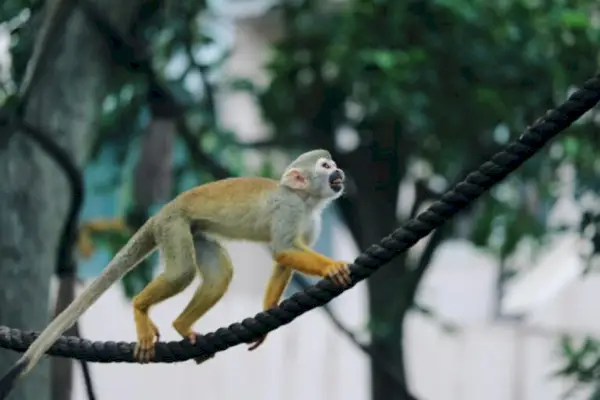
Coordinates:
234 208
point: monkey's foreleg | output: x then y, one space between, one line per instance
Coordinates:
216 270
277 283
304 259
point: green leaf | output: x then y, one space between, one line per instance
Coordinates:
566 345
267 169
242 84
574 18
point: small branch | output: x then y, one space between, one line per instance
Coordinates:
57 14
442 323
415 276
277 142
422 193
301 282
199 158
208 93
126 50
203 69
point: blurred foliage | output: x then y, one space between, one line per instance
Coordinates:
582 364
443 83
582 360
175 34
456 79
450 81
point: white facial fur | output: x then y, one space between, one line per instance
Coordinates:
324 167
325 181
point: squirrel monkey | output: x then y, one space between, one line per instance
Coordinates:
286 214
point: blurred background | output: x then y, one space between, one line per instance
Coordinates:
150 98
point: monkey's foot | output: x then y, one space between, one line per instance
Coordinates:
148 335
199 360
154 329
191 336
339 273
256 343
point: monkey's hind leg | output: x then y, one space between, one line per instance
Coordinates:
176 244
280 277
216 270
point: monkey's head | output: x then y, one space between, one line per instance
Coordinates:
316 174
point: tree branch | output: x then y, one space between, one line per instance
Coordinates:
57 13
380 362
415 276
200 159
424 193
281 141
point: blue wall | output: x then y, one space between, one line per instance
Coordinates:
102 179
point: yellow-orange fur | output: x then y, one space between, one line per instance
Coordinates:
242 220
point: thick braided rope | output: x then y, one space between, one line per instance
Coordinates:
464 193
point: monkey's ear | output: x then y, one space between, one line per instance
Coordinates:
294 179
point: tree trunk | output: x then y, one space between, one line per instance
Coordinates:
34 196
387 307
153 174
383 387
388 299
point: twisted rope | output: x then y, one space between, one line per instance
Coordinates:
464 193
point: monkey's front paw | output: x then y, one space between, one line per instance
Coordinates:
339 273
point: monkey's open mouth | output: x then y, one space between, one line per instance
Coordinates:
336 182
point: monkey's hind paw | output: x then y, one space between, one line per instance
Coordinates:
192 338
339 273
154 329
144 351
144 348
201 359
255 344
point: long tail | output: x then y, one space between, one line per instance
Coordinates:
10 378
134 252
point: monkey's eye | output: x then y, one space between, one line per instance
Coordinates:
325 165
